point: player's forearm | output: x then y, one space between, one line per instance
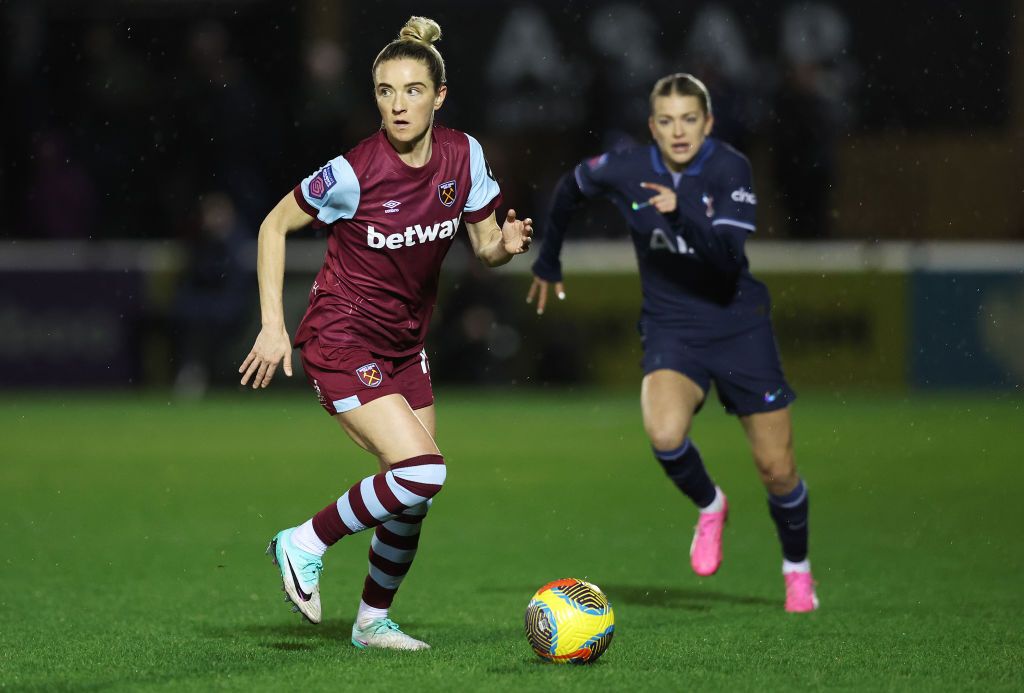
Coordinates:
493 254
270 273
564 202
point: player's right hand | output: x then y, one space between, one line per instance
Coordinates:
271 348
539 290
665 200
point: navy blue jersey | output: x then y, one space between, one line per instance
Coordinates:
693 268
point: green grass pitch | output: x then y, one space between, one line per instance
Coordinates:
134 528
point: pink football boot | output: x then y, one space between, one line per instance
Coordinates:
800 596
706 549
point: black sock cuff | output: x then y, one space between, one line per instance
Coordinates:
671 455
792 499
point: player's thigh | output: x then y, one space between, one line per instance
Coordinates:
770 435
374 398
427 417
411 377
668 400
389 428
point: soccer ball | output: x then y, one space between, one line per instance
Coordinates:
569 620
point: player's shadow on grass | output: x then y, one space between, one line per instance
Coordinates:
290 637
695 599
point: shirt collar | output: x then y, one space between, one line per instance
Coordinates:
696 164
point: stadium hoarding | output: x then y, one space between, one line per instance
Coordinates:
884 316
967 329
841 330
65 329
835 331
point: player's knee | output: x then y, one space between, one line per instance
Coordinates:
441 473
665 435
666 441
423 475
777 468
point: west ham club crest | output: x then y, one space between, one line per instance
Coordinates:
446 193
370 375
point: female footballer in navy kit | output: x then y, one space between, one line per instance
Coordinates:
689 203
394 203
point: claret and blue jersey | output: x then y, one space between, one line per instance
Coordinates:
391 227
693 268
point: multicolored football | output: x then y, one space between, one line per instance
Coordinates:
569 621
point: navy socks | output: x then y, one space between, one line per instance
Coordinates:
686 469
790 515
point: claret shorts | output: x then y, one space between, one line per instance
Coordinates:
347 377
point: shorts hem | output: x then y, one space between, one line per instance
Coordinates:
703 383
765 409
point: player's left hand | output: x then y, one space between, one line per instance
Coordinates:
539 290
665 199
516 235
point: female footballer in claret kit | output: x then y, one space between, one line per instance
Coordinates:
394 204
689 202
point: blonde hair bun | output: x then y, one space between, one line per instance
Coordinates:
421 29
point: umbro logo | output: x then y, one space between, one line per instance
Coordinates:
391 206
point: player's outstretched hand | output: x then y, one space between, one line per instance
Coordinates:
516 236
539 290
665 199
272 347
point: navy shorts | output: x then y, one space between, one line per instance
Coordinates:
745 367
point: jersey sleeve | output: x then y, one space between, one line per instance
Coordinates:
592 175
484 193
330 194
735 203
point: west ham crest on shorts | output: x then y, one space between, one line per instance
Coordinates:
446 193
370 375
323 181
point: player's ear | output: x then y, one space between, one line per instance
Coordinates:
709 124
442 92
